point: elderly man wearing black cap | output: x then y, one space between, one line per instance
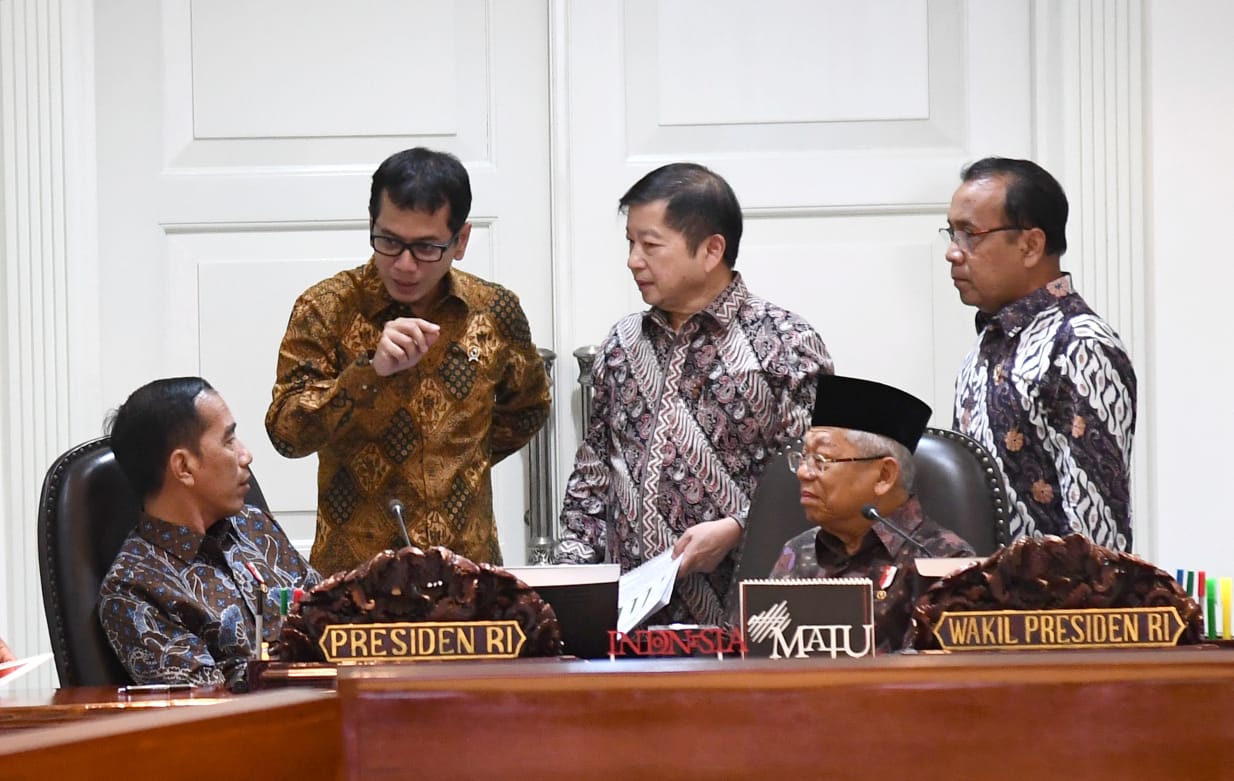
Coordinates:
857 453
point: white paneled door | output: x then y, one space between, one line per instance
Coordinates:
236 144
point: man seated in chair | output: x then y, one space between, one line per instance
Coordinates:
858 453
179 603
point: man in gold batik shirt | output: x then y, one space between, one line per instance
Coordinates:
408 378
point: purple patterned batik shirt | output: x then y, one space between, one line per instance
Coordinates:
683 424
1050 391
181 607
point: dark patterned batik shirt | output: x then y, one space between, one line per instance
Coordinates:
180 607
1050 392
683 424
884 557
427 436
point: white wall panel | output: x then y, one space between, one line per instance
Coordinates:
330 85
1190 156
856 61
252 78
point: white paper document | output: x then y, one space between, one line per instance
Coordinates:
645 589
11 671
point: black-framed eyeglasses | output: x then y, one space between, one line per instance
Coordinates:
964 238
817 462
424 251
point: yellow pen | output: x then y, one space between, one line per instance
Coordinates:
1227 590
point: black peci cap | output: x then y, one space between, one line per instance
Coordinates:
865 405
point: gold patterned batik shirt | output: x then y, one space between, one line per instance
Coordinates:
427 436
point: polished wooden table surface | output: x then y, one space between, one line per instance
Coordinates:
29 710
1083 715
98 734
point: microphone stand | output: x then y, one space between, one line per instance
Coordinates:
870 513
396 509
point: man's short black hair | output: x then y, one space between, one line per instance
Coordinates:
700 204
1034 199
423 180
156 419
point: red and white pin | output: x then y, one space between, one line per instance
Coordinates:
888 575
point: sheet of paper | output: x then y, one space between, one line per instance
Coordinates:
11 671
645 589
941 568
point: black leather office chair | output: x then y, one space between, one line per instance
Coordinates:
962 489
957 481
86 510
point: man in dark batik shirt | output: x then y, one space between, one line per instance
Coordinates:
858 453
1048 388
180 601
692 398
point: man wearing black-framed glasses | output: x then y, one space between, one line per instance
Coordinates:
1049 388
858 453
409 378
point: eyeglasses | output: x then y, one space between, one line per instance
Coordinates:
817 462
964 238
424 251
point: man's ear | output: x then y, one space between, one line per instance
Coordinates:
1032 245
888 476
180 466
460 244
713 251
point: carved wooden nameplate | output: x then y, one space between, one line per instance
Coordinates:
424 641
1028 630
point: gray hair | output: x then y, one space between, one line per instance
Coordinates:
868 445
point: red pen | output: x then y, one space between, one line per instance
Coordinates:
256 575
259 646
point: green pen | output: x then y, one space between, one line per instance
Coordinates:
1211 594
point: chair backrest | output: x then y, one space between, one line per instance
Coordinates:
86 511
961 487
958 483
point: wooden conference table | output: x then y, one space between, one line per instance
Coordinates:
1080 714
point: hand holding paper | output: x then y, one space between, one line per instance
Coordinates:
704 545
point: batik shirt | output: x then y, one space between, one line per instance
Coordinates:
683 424
427 436
1050 392
884 557
181 607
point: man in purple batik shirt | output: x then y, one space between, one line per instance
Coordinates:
692 398
1048 388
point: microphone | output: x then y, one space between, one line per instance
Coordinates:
871 514
396 509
